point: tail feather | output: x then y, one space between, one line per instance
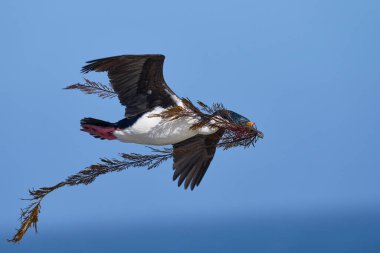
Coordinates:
98 128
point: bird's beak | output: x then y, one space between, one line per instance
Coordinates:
260 134
252 125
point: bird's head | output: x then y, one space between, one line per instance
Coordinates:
239 120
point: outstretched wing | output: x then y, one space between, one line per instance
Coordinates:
192 158
138 80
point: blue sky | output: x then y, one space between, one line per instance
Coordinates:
307 72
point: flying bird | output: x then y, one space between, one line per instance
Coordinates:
154 115
140 86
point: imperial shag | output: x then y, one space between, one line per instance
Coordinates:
139 83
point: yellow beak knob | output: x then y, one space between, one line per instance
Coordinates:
250 124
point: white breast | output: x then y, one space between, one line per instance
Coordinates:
155 131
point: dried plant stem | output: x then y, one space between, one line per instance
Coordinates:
90 87
29 215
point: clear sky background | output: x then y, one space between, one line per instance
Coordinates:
307 72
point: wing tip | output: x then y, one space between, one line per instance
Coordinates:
85 69
194 182
93 65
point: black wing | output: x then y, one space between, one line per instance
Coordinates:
192 158
137 79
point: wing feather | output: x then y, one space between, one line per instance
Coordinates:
192 157
137 79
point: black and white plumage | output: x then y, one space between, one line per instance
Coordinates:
139 83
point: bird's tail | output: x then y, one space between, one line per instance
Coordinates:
98 128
